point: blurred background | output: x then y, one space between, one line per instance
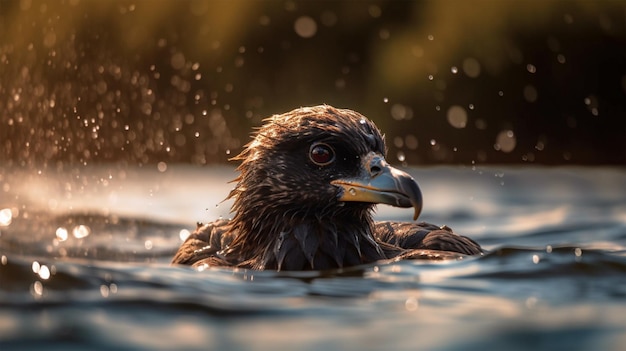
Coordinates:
449 82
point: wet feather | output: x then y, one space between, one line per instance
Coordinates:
287 215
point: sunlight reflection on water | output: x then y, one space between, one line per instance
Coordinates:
554 272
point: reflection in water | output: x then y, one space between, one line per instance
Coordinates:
548 218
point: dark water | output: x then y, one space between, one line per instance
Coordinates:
84 265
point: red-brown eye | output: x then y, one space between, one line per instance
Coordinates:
321 154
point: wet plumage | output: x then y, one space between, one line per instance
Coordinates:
308 184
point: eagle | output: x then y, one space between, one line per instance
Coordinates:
304 200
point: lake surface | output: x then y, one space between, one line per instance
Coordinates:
85 266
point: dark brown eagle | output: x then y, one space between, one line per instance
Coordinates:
308 184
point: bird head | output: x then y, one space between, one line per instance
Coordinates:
315 161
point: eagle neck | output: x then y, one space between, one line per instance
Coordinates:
287 241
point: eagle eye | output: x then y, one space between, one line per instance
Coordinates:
321 154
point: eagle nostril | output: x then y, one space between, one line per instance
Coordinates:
375 170
376 165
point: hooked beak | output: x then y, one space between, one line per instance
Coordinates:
380 183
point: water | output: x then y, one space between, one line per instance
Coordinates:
84 265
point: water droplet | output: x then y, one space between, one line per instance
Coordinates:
384 34
104 290
433 142
385 100
44 272
540 145
471 67
400 112
398 142
457 116
530 93
374 11
37 289
430 77
6 217
178 61
35 267
431 37
578 252
592 104
61 234
162 166
536 259
352 191
471 106
505 141
81 231
411 142
184 234
148 244
567 156
305 26
454 70
531 68
401 156
411 304
531 302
